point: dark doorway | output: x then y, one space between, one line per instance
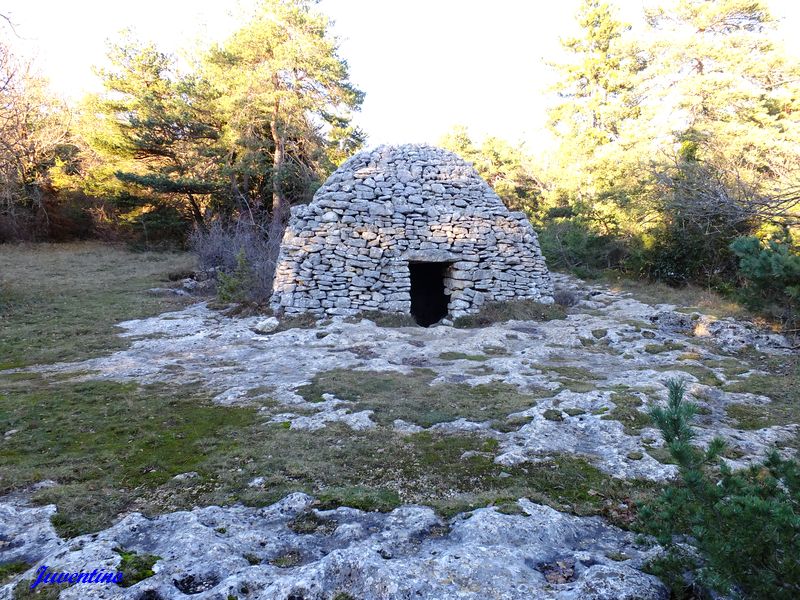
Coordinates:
428 300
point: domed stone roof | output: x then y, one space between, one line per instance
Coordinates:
393 221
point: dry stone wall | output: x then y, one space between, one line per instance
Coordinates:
349 249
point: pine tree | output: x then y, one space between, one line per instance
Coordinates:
731 89
596 171
287 97
156 139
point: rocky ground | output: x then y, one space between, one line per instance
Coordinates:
577 386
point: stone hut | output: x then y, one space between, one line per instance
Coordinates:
408 229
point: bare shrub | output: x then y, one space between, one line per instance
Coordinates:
231 247
565 298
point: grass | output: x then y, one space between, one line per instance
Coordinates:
552 414
518 310
116 447
60 302
23 591
411 397
574 379
287 560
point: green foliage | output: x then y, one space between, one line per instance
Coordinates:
235 286
505 167
154 133
745 524
771 272
570 241
669 151
248 129
135 567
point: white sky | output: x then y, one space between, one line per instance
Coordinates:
425 65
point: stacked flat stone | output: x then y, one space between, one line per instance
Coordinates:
349 249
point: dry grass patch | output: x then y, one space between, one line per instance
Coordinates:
515 310
688 297
61 302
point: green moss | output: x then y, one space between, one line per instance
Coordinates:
626 412
310 522
578 387
703 375
287 560
135 567
781 385
411 397
126 438
360 497
617 556
511 423
599 333
574 412
578 373
667 346
462 356
10 570
553 415
662 455
495 350
252 559
749 416
510 508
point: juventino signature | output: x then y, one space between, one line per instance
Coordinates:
44 575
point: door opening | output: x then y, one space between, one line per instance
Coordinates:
428 300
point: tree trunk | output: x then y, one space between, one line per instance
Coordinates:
280 206
196 213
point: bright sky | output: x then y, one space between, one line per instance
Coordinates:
425 65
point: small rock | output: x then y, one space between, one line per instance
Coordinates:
268 325
167 292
